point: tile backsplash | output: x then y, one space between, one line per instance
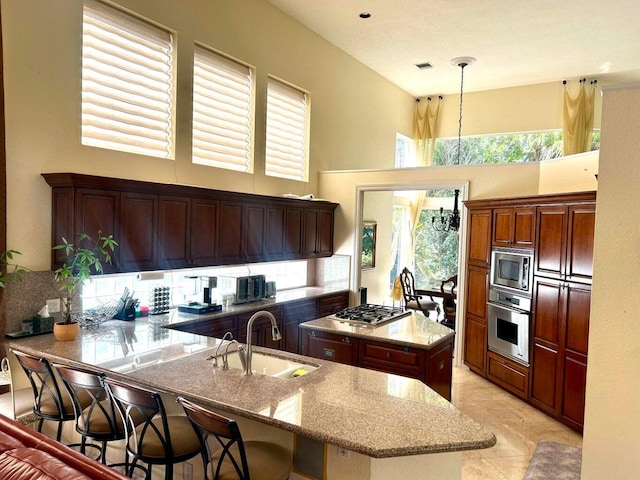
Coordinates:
24 299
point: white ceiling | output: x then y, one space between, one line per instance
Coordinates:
515 42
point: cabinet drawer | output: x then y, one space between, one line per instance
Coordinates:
212 328
509 375
329 346
398 356
332 304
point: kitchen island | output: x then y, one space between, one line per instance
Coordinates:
412 346
393 426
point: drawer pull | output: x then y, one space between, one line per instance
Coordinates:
329 353
346 340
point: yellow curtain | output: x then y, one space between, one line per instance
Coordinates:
578 119
425 122
415 209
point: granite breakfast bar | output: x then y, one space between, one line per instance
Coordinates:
392 426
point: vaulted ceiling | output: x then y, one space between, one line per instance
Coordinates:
515 42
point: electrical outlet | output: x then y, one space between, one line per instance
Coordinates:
343 452
54 305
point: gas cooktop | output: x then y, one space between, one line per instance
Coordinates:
369 314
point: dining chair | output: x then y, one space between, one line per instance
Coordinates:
227 456
412 300
152 436
447 289
50 401
97 421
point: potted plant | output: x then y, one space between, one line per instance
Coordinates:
81 259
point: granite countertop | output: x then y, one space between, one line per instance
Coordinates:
414 330
372 413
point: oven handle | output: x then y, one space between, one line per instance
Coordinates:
508 308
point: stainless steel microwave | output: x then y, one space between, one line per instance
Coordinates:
512 269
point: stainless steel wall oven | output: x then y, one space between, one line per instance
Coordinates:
509 322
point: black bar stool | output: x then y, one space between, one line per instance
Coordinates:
99 420
152 436
50 402
231 457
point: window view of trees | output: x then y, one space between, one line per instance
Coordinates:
529 147
507 148
435 254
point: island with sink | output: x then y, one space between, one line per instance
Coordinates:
391 426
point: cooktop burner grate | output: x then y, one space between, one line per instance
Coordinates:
370 314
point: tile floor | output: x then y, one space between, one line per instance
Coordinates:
517 426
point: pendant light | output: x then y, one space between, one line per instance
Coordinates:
461 62
451 221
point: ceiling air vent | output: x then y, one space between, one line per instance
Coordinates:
424 66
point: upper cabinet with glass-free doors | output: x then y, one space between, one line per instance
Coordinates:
161 226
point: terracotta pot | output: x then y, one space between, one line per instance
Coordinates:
65 331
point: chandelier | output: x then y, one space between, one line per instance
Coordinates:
449 222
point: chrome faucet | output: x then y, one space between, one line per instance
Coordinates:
225 361
275 334
214 357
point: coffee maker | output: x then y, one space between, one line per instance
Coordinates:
207 286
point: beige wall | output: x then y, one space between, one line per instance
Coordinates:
355 112
516 109
612 421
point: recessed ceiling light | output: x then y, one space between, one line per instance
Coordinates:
424 66
365 15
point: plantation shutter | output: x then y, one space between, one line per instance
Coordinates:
287 126
222 112
127 83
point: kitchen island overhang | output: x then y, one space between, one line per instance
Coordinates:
375 414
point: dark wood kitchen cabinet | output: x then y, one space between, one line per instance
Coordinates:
261 334
332 303
187 232
161 226
563 233
559 348
514 227
283 237
330 346
211 328
565 242
137 245
431 364
294 314
242 232
92 210
508 374
479 237
318 233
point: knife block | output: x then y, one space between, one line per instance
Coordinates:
124 313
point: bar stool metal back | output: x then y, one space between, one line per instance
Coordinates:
152 436
99 420
50 401
230 457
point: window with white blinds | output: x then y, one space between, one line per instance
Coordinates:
127 83
223 105
287 145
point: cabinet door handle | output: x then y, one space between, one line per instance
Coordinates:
346 340
312 334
